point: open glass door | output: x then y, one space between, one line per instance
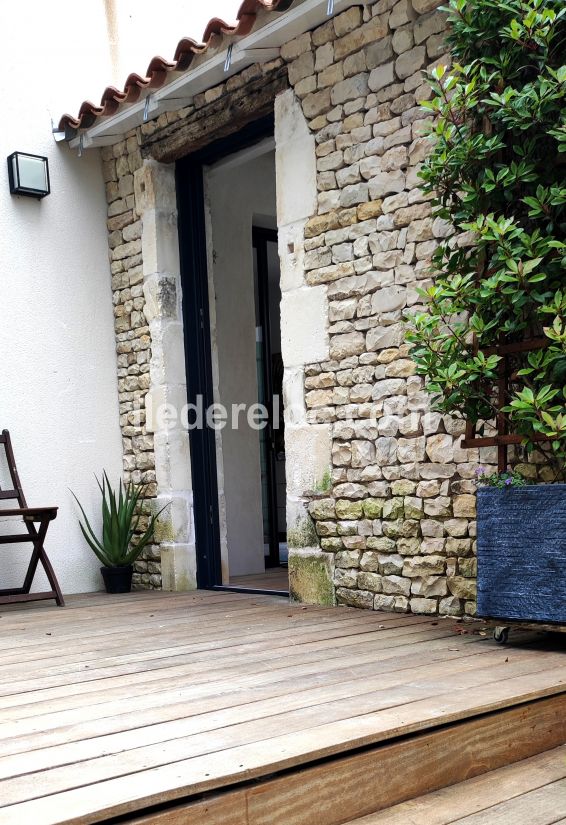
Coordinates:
270 392
231 300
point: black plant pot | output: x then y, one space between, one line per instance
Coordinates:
117 579
522 553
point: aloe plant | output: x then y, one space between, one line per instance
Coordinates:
120 520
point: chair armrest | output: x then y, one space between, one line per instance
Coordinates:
32 513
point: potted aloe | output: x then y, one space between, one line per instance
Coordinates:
115 547
490 336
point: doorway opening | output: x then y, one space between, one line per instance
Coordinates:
231 289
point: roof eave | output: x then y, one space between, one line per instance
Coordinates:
261 45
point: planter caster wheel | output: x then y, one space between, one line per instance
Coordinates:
501 635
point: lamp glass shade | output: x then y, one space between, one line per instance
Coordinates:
29 174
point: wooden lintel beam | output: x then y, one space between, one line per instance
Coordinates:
222 117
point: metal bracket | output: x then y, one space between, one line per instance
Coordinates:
83 141
228 61
146 106
58 134
330 8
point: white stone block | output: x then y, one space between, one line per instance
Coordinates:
160 242
154 187
388 299
168 353
291 255
294 396
172 461
296 508
308 456
164 406
178 567
295 161
175 524
304 320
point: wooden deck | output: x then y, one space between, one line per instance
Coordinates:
231 709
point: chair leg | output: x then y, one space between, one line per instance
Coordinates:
39 555
32 569
52 578
37 537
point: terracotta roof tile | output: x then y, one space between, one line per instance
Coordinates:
159 68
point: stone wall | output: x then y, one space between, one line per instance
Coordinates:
133 341
396 525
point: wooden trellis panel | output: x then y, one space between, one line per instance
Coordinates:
503 438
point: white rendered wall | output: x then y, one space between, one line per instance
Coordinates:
236 198
58 393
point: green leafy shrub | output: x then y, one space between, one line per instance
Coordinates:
121 514
497 172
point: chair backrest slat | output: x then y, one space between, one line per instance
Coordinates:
17 492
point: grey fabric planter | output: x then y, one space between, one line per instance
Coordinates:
522 553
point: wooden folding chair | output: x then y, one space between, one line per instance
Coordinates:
36 535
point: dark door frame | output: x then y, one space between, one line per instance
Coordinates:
260 238
189 174
196 323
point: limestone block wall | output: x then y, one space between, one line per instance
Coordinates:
398 518
142 224
133 341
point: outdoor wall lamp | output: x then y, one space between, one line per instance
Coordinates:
28 174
